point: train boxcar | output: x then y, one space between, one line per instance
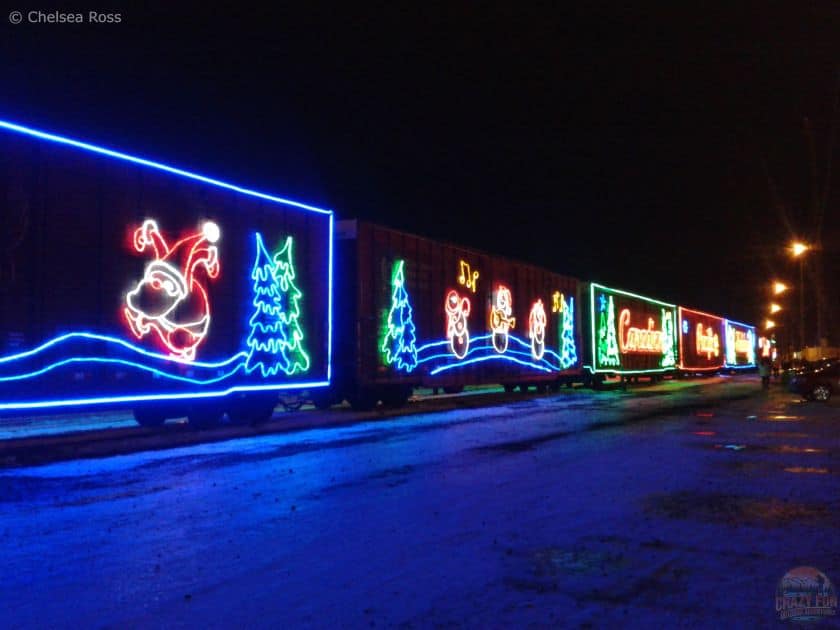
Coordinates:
630 334
124 280
740 345
415 312
702 340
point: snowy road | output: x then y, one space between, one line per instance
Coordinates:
541 511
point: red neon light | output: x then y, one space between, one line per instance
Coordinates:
457 311
536 329
638 340
682 317
169 288
707 341
500 318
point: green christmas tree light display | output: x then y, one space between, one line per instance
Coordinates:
568 351
275 341
267 340
285 276
607 341
669 356
399 341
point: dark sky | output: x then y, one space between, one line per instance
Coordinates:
625 146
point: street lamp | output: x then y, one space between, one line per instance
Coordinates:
797 249
769 324
779 288
775 308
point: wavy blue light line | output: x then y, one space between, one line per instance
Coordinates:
489 358
121 342
174 377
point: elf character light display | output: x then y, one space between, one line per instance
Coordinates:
182 310
170 301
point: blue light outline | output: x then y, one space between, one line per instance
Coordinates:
44 135
490 357
58 139
75 402
121 342
735 366
139 366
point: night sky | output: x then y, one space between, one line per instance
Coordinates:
628 147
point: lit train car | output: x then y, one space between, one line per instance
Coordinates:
702 341
740 346
629 334
415 312
126 281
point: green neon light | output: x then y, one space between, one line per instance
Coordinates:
568 350
606 357
284 260
399 339
669 356
607 341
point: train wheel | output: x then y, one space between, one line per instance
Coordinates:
523 387
149 416
453 389
363 399
205 416
509 387
323 399
396 395
252 409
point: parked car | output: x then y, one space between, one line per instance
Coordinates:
818 383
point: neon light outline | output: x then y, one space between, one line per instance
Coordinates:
685 325
568 344
275 339
730 348
500 317
536 329
457 311
638 340
707 341
396 334
179 285
62 140
43 135
592 329
468 278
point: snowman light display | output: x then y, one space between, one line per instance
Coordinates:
170 301
536 329
457 312
500 318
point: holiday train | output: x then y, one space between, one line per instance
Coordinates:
127 281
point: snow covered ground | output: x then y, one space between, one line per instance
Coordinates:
557 510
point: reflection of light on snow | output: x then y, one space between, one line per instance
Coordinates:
806 470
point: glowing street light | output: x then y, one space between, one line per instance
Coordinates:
775 308
768 324
798 248
779 288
